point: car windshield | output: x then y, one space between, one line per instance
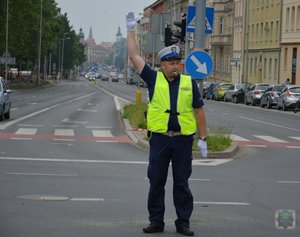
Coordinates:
226 86
295 90
278 88
239 86
262 87
206 83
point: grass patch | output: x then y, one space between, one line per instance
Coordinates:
218 137
135 115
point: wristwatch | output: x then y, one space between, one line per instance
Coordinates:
202 138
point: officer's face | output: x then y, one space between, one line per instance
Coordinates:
171 68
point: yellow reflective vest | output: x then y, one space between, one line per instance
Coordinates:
157 115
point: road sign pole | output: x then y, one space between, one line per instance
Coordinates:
200 30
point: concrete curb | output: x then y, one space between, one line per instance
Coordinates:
139 139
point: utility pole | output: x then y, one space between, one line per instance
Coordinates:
200 30
6 41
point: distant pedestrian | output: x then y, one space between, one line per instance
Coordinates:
287 82
175 111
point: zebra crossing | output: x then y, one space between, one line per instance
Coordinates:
267 141
64 134
104 134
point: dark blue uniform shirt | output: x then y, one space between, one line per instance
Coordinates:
149 76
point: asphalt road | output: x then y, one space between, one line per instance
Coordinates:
67 168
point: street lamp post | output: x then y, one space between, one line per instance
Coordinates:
40 45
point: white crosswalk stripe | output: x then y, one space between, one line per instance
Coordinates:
26 131
237 138
102 133
296 138
269 138
64 132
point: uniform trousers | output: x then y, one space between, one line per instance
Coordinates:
178 151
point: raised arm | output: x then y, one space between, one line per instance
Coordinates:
136 59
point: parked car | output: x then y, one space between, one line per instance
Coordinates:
255 92
228 95
206 84
220 90
5 100
289 97
270 96
211 91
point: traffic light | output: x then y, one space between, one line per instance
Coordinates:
169 40
182 25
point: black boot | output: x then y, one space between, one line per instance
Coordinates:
153 228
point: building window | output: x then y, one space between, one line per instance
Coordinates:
271 30
221 25
298 18
285 59
275 70
261 31
256 32
287 19
270 69
277 31
293 19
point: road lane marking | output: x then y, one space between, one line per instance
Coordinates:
103 141
21 138
30 125
256 146
271 124
87 199
40 174
270 138
293 147
288 182
74 160
223 203
12 122
66 120
195 162
88 110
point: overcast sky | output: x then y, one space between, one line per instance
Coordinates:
104 16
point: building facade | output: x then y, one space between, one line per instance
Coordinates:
290 42
263 56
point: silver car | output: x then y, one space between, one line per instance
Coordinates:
288 98
5 100
233 88
270 97
255 92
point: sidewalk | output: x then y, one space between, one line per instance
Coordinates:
139 138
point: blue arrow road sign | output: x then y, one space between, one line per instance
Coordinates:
209 19
199 64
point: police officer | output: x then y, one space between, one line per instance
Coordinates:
174 115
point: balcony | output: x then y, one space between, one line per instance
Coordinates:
221 40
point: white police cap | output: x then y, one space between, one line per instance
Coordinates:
169 53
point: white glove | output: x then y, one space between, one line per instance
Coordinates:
202 146
130 21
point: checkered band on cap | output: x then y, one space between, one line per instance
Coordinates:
170 52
